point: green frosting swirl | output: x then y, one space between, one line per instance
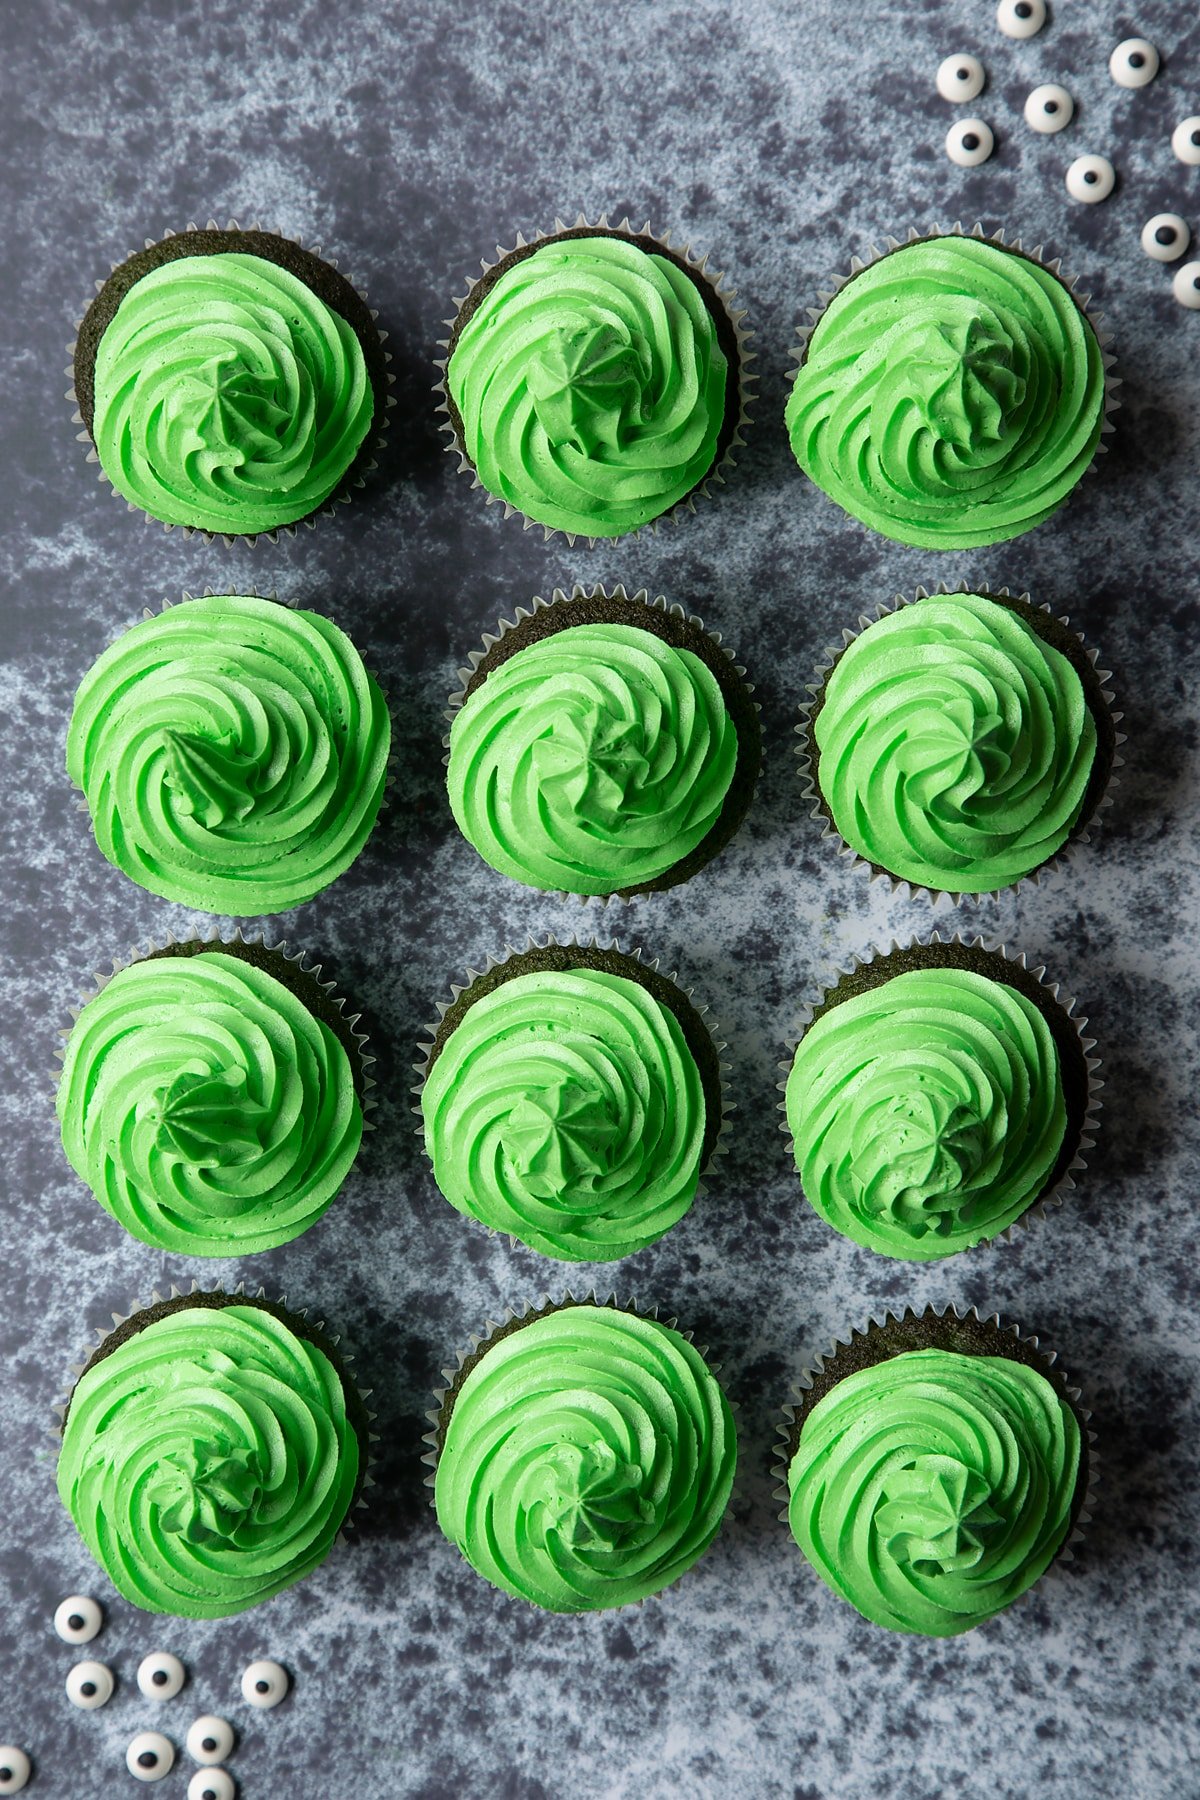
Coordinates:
955 745
228 397
208 1461
233 753
952 394
593 760
933 1489
590 385
207 1109
588 1460
927 1113
567 1109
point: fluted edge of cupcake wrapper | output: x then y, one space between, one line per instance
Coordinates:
1047 1358
345 491
725 297
428 1036
346 1358
620 595
1089 1124
217 940
811 794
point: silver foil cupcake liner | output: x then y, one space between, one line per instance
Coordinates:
698 267
810 789
341 496
1089 1122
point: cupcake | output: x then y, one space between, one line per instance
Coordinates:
940 1094
951 393
935 1466
231 382
960 742
583 1456
593 379
232 753
601 744
212 1097
572 1097
212 1448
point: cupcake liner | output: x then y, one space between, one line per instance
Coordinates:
315 1332
733 692
714 285
1008 1339
810 790
430 1033
366 458
1086 1121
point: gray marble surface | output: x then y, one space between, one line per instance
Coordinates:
408 139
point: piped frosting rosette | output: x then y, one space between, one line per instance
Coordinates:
583 1457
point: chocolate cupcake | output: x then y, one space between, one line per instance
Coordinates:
572 1096
602 744
594 379
973 1477
231 382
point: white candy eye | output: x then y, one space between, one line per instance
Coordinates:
15 1769
1049 108
1186 286
960 78
1133 63
161 1675
209 1739
211 1784
1165 236
1021 18
1185 140
969 143
150 1756
264 1684
89 1685
77 1621
1091 178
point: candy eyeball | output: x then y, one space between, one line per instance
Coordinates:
150 1756
77 1621
264 1684
211 1784
1185 140
1021 18
15 1769
160 1675
89 1685
960 78
209 1739
1091 178
969 143
1049 108
1133 63
1165 236
1186 287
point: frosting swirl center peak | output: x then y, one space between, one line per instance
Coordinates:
587 1496
206 1491
588 381
936 1514
562 1136
965 376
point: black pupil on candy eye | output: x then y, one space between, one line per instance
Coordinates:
75 1622
1164 235
262 1687
964 74
1196 283
147 1760
160 1678
1196 139
5 1774
1052 106
1023 10
1136 59
87 1689
1090 176
208 1744
970 141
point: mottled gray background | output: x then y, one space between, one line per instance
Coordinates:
408 139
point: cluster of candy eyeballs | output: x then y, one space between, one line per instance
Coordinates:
150 1756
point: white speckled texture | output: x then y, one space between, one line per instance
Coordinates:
409 139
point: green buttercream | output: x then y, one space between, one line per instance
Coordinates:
228 396
927 1113
567 1109
208 1461
592 760
233 753
588 1460
591 386
207 1109
933 1489
952 394
955 745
